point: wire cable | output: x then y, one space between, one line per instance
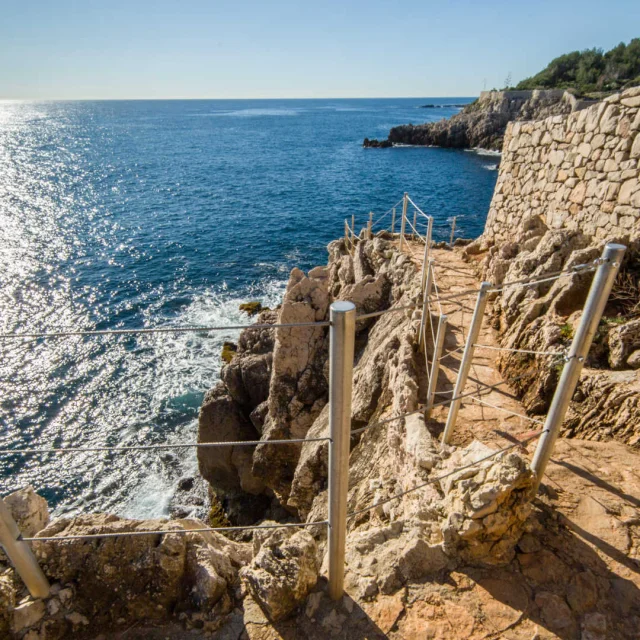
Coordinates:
119 332
165 532
513 413
155 447
562 353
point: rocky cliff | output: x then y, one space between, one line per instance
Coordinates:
483 123
443 542
465 553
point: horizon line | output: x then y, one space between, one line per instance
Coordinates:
223 99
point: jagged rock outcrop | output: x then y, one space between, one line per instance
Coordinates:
483 122
108 583
283 572
279 383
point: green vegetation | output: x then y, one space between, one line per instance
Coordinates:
217 516
591 70
228 351
566 331
251 308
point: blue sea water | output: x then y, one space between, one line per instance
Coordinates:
158 213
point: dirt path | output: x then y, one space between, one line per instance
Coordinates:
592 489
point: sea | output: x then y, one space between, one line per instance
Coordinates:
143 214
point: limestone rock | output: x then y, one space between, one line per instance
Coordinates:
487 505
221 420
483 122
29 510
7 604
27 615
106 587
623 341
283 573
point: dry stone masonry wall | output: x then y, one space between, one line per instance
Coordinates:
577 172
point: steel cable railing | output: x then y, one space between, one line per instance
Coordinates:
167 532
338 420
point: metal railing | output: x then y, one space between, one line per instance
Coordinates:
342 326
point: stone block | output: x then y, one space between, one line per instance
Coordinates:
578 193
610 165
610 119
584 149
626 190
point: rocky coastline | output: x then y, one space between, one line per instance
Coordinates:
482 123
470 553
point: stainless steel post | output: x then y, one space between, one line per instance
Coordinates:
426 265
453 230
426 292
465 363
415 223
393 220
591 314
370 225
435 365
21 555
429 234
341 349
403 220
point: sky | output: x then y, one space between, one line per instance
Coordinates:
65 49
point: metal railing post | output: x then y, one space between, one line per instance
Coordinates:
393 220
435 365
346 233
403 220
370 225
591 315
426 292
465 363
426 265
20 554
341 350
453 230
428 238
415 223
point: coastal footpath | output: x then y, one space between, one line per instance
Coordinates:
482 123
467 553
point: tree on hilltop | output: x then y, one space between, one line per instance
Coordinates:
590 70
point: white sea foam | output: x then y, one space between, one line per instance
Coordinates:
187 363
485 152
490 167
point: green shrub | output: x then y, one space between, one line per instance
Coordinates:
590 70
566 331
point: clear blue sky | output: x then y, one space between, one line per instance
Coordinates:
287 48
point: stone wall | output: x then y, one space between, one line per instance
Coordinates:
575 172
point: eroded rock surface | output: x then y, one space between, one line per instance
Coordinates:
483 122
